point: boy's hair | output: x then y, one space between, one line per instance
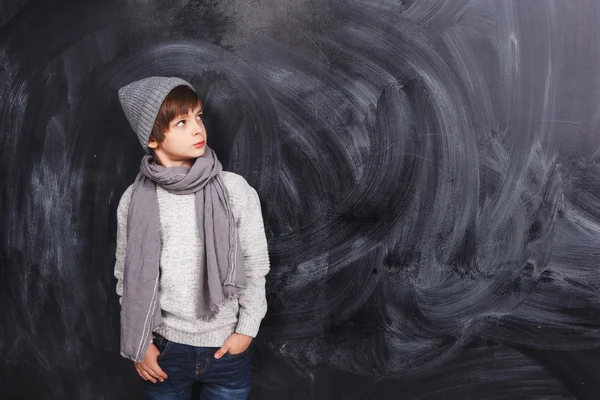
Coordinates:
178 102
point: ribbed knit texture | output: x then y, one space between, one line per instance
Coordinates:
141 101
182 259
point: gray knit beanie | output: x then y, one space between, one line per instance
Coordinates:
141 101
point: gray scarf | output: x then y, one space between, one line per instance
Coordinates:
224 277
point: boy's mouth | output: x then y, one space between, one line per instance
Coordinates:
199 144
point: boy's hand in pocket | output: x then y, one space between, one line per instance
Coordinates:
149 369
235 344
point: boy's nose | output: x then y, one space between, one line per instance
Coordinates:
199 127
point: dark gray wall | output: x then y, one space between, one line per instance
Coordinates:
429 174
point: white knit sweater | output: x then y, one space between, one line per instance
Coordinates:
182 258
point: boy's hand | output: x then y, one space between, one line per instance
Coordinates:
235 344
149 369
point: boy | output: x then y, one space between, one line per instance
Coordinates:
191 254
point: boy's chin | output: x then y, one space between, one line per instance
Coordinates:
200 152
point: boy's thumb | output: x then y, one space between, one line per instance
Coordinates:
219 353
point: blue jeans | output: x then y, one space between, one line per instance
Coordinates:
227 378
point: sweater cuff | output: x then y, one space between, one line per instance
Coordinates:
248 325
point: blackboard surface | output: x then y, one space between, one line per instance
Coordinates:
428 171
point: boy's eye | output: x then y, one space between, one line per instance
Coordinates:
183 120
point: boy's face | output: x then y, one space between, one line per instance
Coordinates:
184 141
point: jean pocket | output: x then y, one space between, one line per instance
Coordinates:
163 345
236 355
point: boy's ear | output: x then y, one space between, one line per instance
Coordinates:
153 144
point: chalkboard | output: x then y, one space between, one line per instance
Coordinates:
428 172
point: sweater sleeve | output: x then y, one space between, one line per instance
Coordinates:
122 211
253 302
